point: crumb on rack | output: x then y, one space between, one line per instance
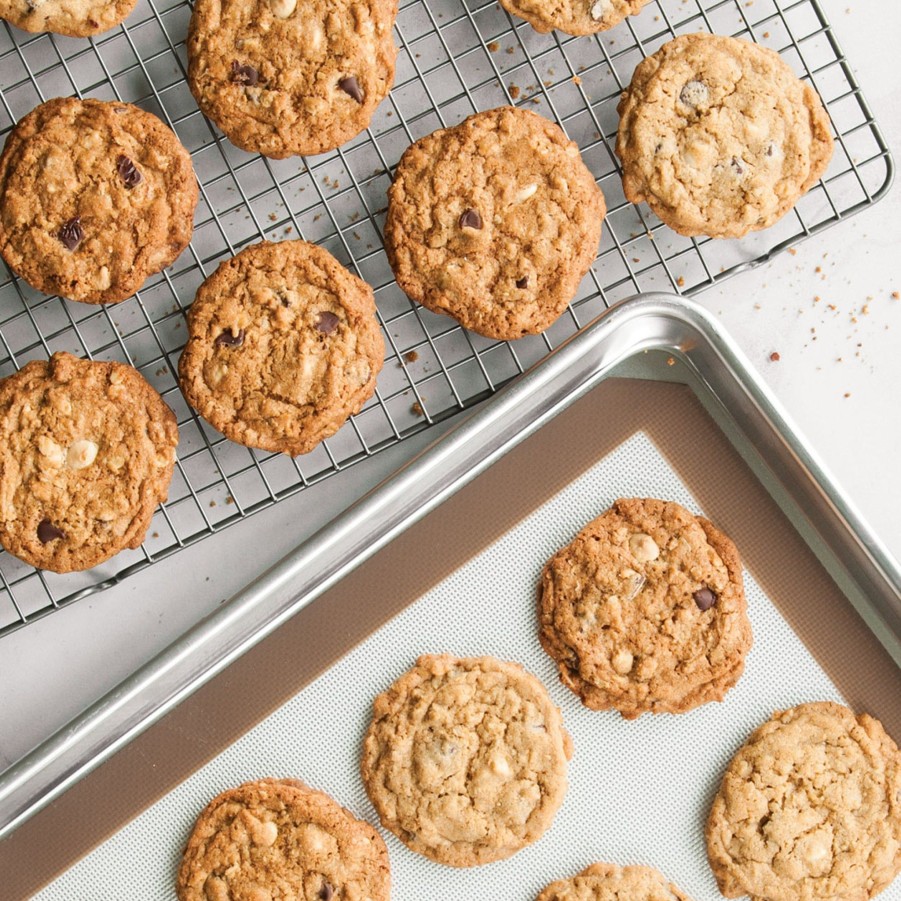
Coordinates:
411 356
775 357
417 410
493 46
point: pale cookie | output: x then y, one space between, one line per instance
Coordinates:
719 136
809 808
608 882
645 610
87 451
277 839
281 77
465 759
573 16
494 221
283 346
74 18
94 196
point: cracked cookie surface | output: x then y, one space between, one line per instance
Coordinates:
87 451
719 136
809 808
465 759
494 221
608 882
281 77
283 346
280 839
645 610
573 16
74 18
94 196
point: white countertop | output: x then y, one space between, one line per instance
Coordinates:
839 383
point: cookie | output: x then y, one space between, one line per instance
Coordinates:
608 882
719 136
279 839
283 346
282 78
573 16
494 221
465 759
74 18
645 610
87 451
809 808
94 197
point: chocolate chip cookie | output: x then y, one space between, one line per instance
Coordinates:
645 610
809 808
719 136
283 347
608 882
94 196
573 16
87 451
281 77
465 759
74 18
277 838
494 221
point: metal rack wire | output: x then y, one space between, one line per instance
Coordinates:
455 57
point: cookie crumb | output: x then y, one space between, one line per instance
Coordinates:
494 46
514 91
417 410
774 356
411 356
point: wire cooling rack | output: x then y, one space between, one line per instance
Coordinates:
455 57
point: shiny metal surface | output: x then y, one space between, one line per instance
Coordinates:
720 375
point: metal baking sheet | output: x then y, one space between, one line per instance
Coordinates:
455 57
811 529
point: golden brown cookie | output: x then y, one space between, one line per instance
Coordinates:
87 451
75 18
608 882
283 346
719 136
494 221
279 839
573 16
281 77
465 759
809 808
645 610
95 196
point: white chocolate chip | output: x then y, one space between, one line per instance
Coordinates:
599 9
116 377
643 547
525 193
695 94
622 662
51 450
81 454
500 766
281 9
265 834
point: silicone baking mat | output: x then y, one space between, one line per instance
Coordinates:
455 57
639 791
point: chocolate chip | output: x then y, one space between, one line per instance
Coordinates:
71 234
48 532
522 282
326 893
737 166
351 86
229 339
704 598
327 323
245 75
471 219
127 172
